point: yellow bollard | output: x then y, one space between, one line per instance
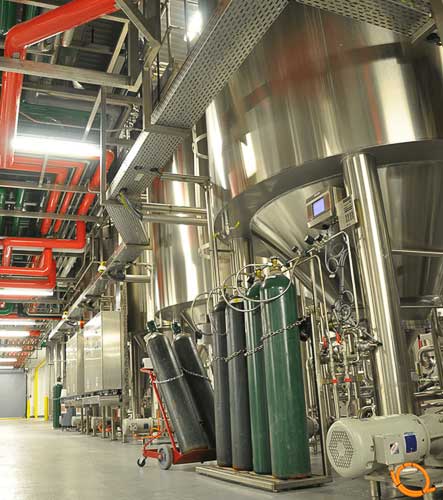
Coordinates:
46 414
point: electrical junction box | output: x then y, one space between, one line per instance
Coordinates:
346 213
389 449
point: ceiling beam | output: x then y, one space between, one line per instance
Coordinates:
44 187
81 95
46 215
69 73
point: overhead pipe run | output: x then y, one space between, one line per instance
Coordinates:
42 271
76 245
19 38
48 283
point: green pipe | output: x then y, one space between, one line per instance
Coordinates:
8 309
2 206
8 16
30 12
53 114
19 202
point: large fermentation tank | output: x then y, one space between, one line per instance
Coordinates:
316 88
102 336
182 271
75 369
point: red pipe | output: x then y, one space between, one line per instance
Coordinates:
51 206
42 270
60 169
78 243
67 199
45 284
19 38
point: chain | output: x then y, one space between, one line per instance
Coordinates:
282 330
234 355
260 347
204 377
160 382
257 349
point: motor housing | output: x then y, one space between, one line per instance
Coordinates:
359 446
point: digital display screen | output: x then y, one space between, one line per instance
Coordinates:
318 207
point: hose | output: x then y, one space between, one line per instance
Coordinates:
396 479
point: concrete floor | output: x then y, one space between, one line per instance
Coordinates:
37 463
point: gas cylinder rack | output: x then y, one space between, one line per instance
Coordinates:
260 414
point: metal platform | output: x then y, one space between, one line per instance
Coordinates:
265 483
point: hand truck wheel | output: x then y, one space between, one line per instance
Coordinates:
141 462
165 457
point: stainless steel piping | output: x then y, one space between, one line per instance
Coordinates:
175 219
417 253
393 381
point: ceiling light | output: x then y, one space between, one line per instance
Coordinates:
26 292
10 348
195 26
8 360
14 333
6 367
55 147
16 322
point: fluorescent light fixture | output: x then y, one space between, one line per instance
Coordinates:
26 292
16 322
6 367
14 334
55 147
8 360
10 348
195 26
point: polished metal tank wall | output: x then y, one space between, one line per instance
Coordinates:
181 272
319 86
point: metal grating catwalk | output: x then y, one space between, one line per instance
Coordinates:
401 16
229 38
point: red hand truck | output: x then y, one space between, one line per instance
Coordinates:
168 455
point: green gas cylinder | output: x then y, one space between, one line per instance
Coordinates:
284 378
56 404
261 448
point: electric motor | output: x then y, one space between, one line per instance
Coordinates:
357 447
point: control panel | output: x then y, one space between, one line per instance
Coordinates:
321 207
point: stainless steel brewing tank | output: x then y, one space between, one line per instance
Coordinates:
316 87
181 270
